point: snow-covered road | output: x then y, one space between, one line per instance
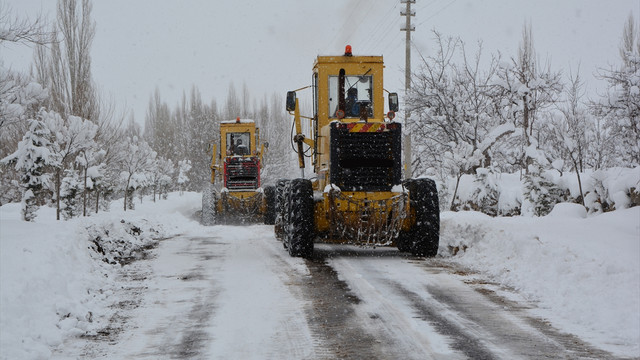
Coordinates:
234 293
516 290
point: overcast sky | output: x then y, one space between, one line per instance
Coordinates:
270 45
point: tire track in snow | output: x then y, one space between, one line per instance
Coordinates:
398 293
332 316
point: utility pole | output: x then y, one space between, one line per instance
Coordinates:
407 13
407 29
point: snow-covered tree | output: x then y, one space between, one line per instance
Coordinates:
274 121
183 169
69 194
90 163
571 133
453 125
526 89
160 177
138 158
70 138
620 106
31 160
20 98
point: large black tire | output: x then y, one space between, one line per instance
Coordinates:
209 199
280 208
270 208
424 238
299 222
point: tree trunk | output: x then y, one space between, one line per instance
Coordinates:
84 194
58 184
575 164
455 192
126 191
525 127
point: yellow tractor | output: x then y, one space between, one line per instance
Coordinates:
356 194
238 197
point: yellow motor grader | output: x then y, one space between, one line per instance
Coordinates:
237 197
356 194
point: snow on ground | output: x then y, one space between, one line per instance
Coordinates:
583 272
54 282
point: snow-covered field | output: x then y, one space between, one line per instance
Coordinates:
583 273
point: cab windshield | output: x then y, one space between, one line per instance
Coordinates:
357 93
238 144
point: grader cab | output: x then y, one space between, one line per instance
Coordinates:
235 194
356 194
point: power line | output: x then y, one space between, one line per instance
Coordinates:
381 28
438 12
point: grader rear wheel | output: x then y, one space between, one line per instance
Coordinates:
299 227
280 209
209 199
270 202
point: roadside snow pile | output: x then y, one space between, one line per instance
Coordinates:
583 273
124 241
57 277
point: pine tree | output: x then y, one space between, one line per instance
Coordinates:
486 194
70 193
541 194
31 160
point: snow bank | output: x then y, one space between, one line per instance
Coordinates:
604 190
56 276
583 273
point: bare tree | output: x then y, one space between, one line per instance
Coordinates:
66 68
25 31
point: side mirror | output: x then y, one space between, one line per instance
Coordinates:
393 102
291 100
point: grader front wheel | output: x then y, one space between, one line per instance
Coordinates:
423 239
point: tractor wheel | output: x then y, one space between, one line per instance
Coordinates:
270 208
280 208
209 198
423 239
299 224
403 242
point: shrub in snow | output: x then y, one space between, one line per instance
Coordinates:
124 241
540 193
486 194
596 200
